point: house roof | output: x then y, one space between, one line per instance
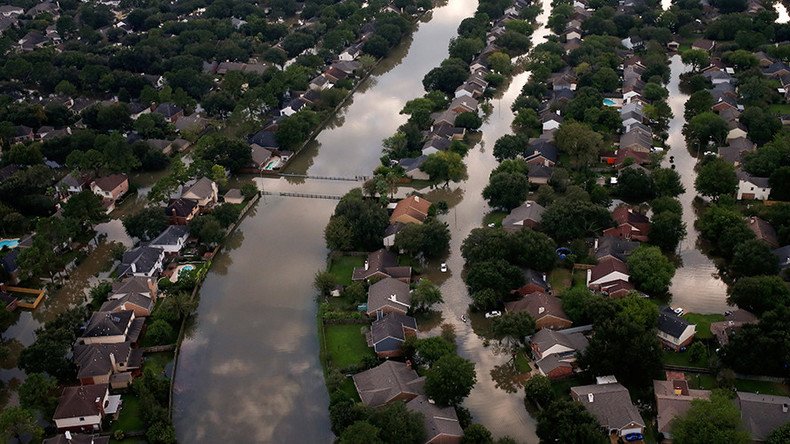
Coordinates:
171 235
73 181
611 404
144 259
538 305
9 261
94 359
551 363
615 247
80 401
104 323
413 163
782 253
761 182
389 292
670 323
119 304
529 210
180 207
539 171
168 109
546 338
703 44
673 399
636 137
111 182
391 326
439 421
762 414
78 438
381 384
203 188
608 266
377 261
625 215
763 231
465 102
133 284
414 206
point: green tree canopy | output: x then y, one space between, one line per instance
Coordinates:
713 420
650 270
450 380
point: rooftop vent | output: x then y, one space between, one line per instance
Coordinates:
590 397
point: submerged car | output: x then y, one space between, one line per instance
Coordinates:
493 314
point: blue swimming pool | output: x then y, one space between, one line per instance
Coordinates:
609 102
9 243
187 268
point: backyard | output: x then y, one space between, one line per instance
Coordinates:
703 321
346 345
343 266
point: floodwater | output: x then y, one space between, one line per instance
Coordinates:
695 286
249 370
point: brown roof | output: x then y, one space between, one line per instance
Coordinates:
439 421
673 399
538 305
80 401
607 266
380 385
384 263
414 206
111 182
764 231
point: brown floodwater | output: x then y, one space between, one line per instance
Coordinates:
695 286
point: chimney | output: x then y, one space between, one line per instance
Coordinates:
541 310
595 246
112 361
367 265
416 198
589 275
393 298
544 277
590 397
784 408
408 363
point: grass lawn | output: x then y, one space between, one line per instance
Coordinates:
764 387
780 108
494 217
129 420
579 278
562 387
158 361
348 388
680 358
522 362
346 345
343 267
560 279
701 381
703 323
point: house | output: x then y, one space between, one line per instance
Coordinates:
611 405
610 276
733 321
552 121
181 211
638 157
83 408
172 240
383 264
388 382
469 89
390 233
441 423
135 284
751 187
545 309
142 261
541 152
72 184
534 282
193 123
112 328
434 144
233 197
637 140
293 107
783 256
11 11
539 174
411 167
763 231
463 104
737 130
388 295
204 191
411 210
762 414
114 364
674 331
673 400
734 151
614 247
111 187
77 438
140 304
565 345
170 111
350 53
260 156
630 224
703 44
527 215
388 333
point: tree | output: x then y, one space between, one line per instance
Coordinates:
506 190
360 432
500 62
447 77
509 146
761 124
484 244
538 390
39 392
324 282
650 270
468 120
568 421
698 103
429 350
697 58
779 435
759 294
513 327
466 48
450 380
370 220
161 432
146 224
713 420
635 185
338 234
565 220
477 434
16 422
762 348
705 129
498 275
444 166
533 249
485 299
431 239
667 229
753 258
667 182
580 142
698 353
233 154
399 424
716 178
425 295
207 229
160 332
577 302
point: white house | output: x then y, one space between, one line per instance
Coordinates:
751 187
82 408
172 240
674 331
737 132
204 192
552 122
608 270
349 54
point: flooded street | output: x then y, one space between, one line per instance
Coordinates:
694 286
249 370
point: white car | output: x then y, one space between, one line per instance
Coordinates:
493 314
443 267
678 311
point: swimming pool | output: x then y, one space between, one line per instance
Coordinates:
609 102
9 243
187 267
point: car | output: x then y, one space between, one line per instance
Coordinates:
491 225
493 314
634 437
678 311
443 267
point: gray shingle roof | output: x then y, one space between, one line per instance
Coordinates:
670 323
94 359
104 323
616 247
528 211
439 421
391 326
171 235
389 292
611 404
80 401
114 305
381 384
761 414
546 338
144 259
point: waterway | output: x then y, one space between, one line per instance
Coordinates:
695 286
249 368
